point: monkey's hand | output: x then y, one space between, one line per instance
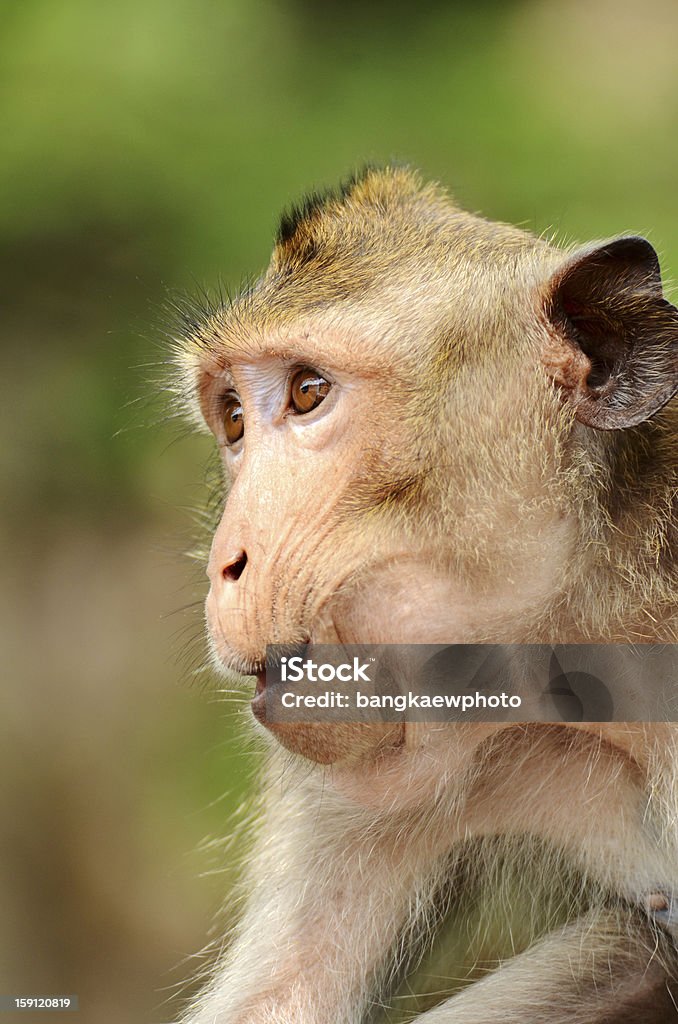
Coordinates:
603 968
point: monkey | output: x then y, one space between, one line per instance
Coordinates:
438 428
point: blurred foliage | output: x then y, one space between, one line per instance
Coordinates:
147 147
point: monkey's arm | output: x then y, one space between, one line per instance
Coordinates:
330 889
603 969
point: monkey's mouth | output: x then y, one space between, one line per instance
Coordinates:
258 703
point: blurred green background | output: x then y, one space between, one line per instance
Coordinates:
147 146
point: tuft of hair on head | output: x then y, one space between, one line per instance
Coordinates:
299 215
372 193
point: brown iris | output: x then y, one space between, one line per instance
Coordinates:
308 389
234 424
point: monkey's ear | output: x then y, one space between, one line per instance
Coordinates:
613 338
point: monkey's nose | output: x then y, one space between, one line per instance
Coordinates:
234 569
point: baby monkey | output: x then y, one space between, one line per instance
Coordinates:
439 429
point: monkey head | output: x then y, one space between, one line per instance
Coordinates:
417 411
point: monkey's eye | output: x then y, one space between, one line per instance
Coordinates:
234 424
308 389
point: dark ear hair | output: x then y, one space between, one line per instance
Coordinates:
613 338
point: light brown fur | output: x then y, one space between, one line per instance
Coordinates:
457 491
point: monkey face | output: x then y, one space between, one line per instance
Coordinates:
406 405
322 537
310 454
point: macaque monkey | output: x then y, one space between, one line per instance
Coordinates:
439 429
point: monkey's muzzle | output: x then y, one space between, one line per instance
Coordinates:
258 703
